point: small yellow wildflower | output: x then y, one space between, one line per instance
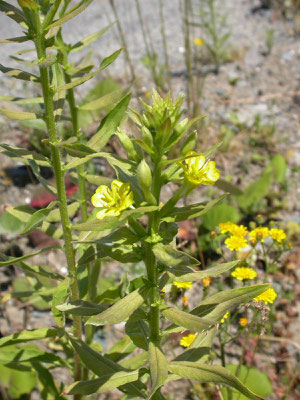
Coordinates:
183 285
278 234
243 322
185 301
236 243
226 226
206 282
234 229
197 170
239 230
259 234
198 42
186 341
225 316
242 273
112 201
267 297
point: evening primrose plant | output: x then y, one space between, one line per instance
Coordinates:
133 221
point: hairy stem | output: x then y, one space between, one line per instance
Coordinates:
59 177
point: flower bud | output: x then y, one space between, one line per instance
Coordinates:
147 137
144 175
127 145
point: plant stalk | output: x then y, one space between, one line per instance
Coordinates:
60 183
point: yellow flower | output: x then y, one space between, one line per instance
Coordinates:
112 201
183 285
259 234
243 322
198 42
236 243
236 230
225 316
278 234
267 297
226 226
197 170
186 341
242 273
206 282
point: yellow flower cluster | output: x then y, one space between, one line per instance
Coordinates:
183 285
186 341
267 297
112 200
242 273
198 42
243 321
237 240
198 170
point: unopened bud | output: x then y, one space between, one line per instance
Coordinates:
147 137
127 145
144 175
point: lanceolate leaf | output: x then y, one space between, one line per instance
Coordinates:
13 151
112 160
18 74
101 365
18 39
103 384
19 115
167 255
82 44
81 307
158 368
121 310
207 273
27 353
214 307
37 218
187 320
70 15
27 336
13 260
193 211
105 101
80 81
210 373
12 12
37 270
62 291
109 125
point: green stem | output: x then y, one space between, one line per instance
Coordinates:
59 177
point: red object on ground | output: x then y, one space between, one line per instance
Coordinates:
45 198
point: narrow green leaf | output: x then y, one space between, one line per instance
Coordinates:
81 307
109 125
80 81
54 215
13 260
105 101
46 379
19 115
207 273
37 218
193 211
27 336
12 12
215 306
121 310
82 44
228 187
61 293
70 15
37 270
102 365
103 384
13 151
25 353
167 255
135 362
18 74
210 373
21 100
121 349
112 160
187 320
138 331
158 368
18 39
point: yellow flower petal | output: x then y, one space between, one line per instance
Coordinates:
198 42
183 285
259 234
243 321
186 341
236 243
267 297
199 171
278 234
242 273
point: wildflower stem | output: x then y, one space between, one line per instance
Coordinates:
59 177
